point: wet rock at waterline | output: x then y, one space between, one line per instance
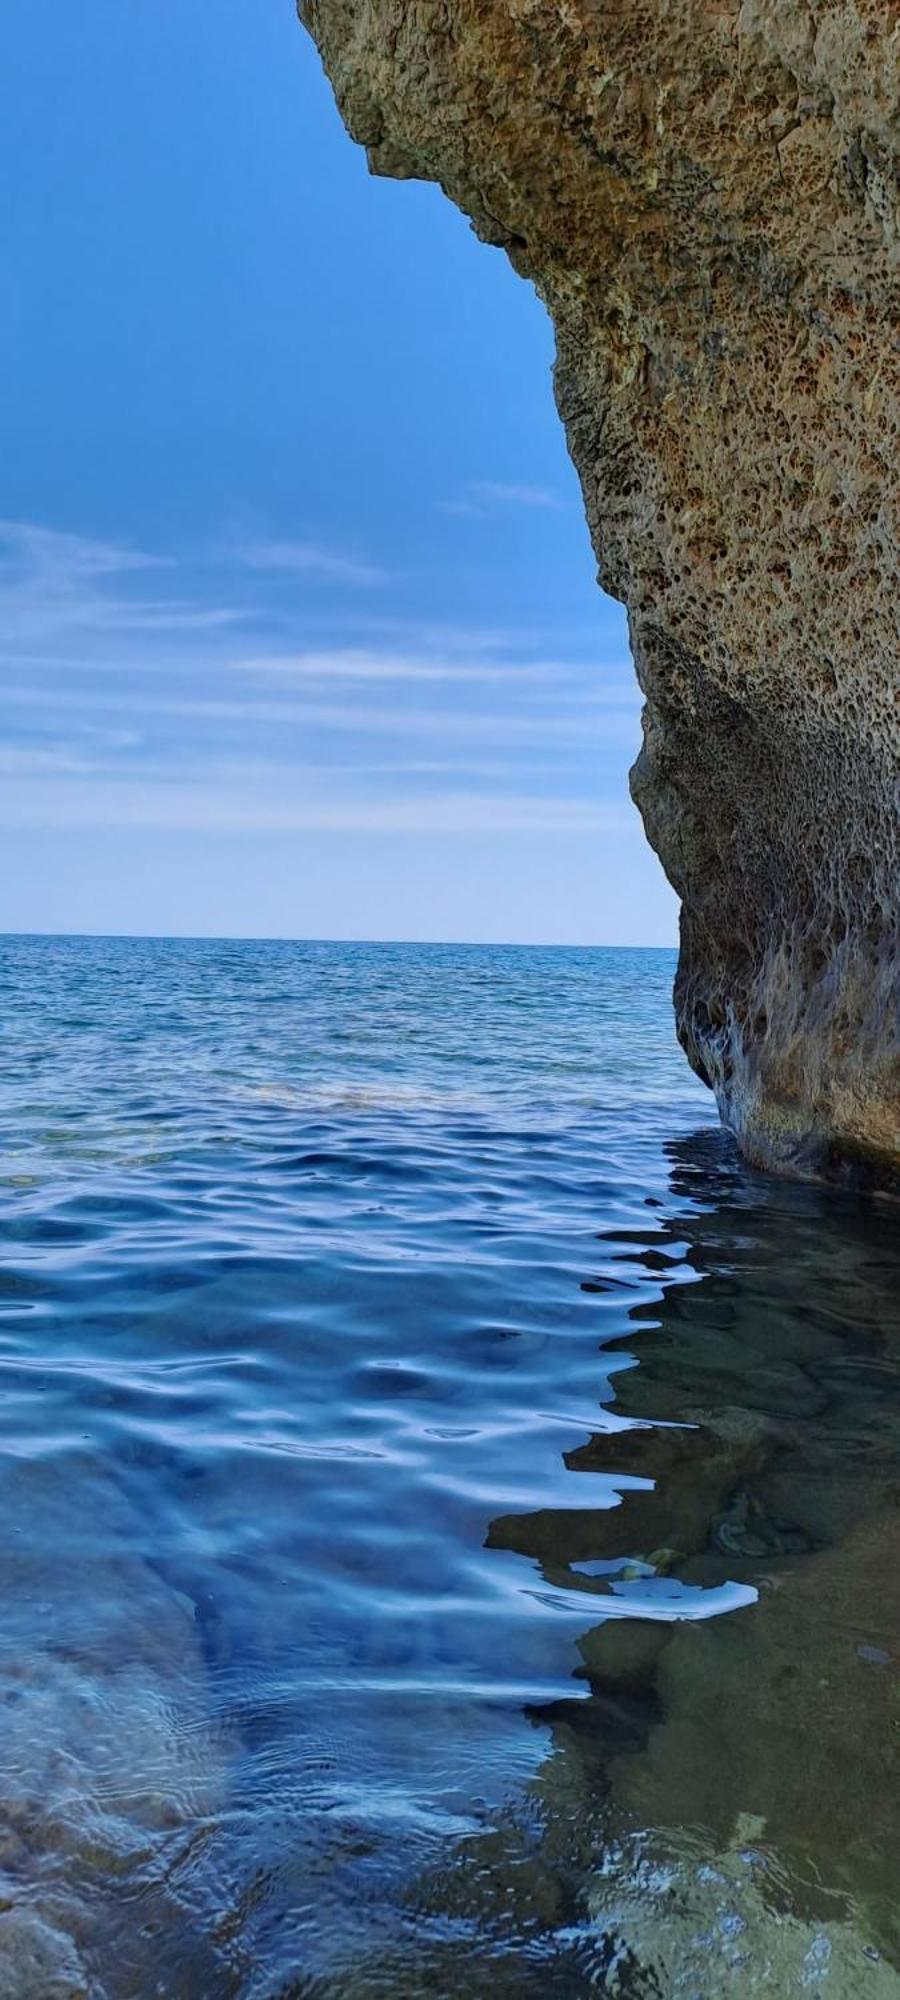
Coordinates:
706 198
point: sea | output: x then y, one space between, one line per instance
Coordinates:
449 1506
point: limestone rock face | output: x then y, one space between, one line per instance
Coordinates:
707 197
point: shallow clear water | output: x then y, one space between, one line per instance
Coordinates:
450 1509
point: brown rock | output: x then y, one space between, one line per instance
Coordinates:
706 197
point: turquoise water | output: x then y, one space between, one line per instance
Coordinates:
450 1509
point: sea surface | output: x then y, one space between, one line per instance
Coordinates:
449 1508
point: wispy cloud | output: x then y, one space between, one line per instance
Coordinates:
503 494
75 799
308 559
574 718
487 496
217 704
359 663
29 549
54 584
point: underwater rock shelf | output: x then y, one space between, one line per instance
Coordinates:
706 198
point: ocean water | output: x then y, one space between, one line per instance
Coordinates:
450 1523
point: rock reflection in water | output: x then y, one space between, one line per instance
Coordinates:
721 1813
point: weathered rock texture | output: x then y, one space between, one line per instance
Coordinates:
705 193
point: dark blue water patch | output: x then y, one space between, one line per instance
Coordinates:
449 1506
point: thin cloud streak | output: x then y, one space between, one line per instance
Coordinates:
482 497
129 705
357 663
342 718
71 802
308 559
613 683
505 494
56 555
55 583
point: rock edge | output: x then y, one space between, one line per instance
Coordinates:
707 198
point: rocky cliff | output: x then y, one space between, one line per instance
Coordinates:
706 194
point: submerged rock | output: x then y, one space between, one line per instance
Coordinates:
111 1763
706 197
665 1918
37 1962
780 1719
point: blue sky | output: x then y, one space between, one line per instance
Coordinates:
299 633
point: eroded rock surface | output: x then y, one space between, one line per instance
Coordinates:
706 196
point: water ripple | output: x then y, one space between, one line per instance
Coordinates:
450 1509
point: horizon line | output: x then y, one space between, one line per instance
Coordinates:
283 937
